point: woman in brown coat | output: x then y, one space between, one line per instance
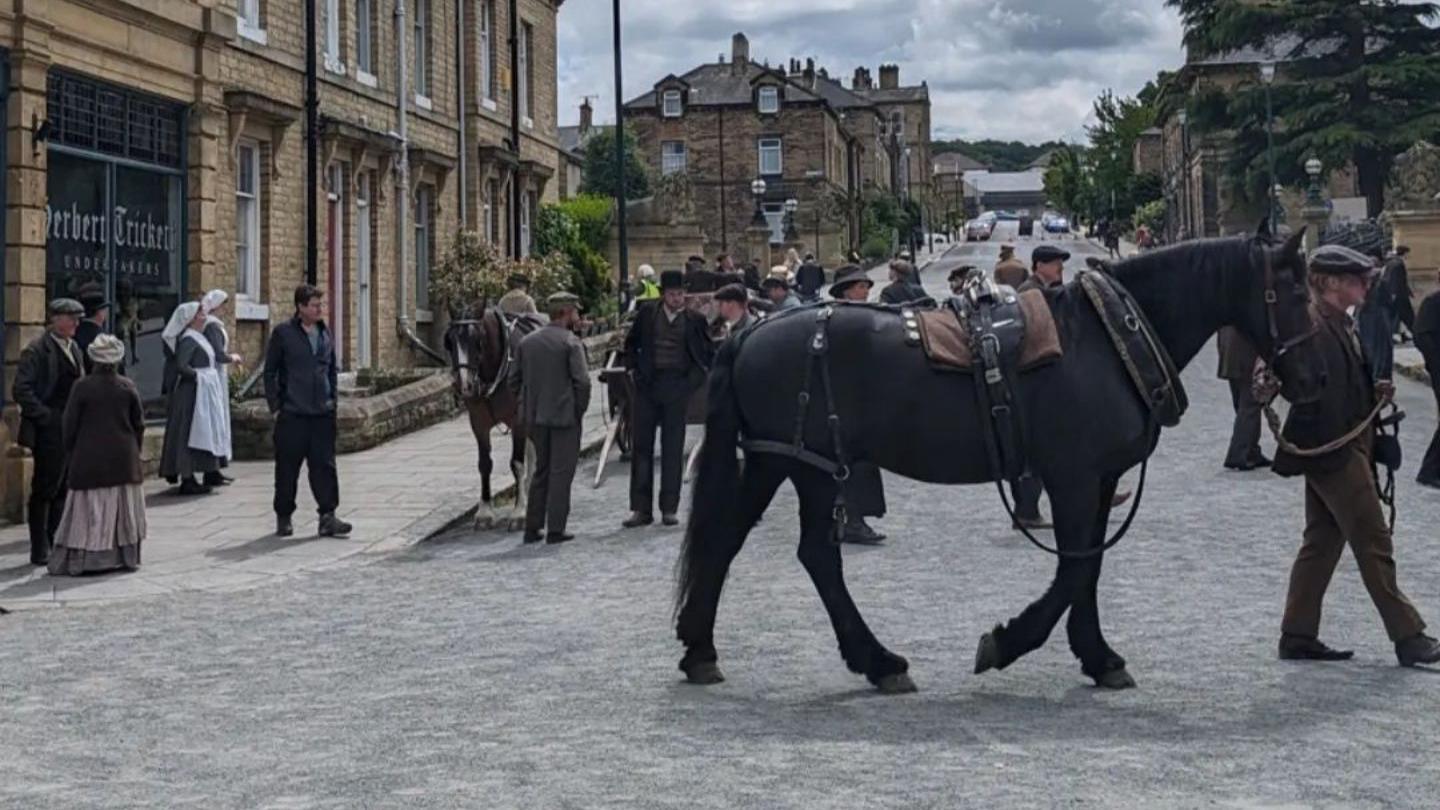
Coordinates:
104 425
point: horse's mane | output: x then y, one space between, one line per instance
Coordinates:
1205 255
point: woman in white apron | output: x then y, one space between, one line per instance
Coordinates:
197 427
213 305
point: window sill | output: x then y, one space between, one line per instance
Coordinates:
489 104
424 102
333 65
256 35
527 122
366 78
424 316
247 310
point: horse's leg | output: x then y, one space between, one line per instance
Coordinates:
695 624
863 653
522 467
1073 506
1097 660
480 425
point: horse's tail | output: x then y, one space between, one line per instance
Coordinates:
716 492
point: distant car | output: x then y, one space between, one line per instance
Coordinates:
979 229
1027 225
1057 224
1007 216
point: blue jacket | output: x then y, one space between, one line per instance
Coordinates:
298 379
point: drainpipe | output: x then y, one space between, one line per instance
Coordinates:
402 194
312 157
460 108
515 192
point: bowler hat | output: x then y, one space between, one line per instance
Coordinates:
1338 260
66 306
672 280
847 275
732 292
1048 253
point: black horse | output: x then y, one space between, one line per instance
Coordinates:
897 412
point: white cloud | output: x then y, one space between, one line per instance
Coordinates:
1013 69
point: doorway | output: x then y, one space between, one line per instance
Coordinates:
363 271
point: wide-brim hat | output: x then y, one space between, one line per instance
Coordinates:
672 280
848 276
1048 253
1338 260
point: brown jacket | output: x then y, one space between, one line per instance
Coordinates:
1012 272
104 429
1237 356
551 377
1347 398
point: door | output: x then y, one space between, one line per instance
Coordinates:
336 271
363 271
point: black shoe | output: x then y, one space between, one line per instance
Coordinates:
1428 481
531 537
39 559
331 526
190 486
1259 462
670 519
1417 649
638 519
283 527
215 479
554 538
1031 523
861 534
1303 648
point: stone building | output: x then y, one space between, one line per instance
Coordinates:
572 150
157 149
809 138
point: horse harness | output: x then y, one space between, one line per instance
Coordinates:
508 324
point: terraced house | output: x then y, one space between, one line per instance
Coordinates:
810 139
157 148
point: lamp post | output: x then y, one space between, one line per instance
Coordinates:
1313 167
757 188
1316 211
791 205
1183 117
1267 77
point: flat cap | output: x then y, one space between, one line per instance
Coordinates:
1048 253
562 299
732 292
1338 260
66 306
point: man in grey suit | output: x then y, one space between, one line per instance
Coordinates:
552 380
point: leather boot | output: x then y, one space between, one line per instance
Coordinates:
331 526
1304 648
39 537
1417 649
638 519
857 531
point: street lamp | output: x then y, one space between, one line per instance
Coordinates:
757 188
791 205
1267 77
1183 116
1313 166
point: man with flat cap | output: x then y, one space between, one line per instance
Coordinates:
517 300
1047 268
733 302
552 381
668 352
49 367
1047 264
776 287
1341 504
1010 271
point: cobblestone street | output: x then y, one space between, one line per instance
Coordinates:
471 671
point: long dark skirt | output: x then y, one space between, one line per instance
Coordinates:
178 460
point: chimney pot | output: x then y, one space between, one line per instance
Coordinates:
889 77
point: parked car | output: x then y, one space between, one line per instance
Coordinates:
1057 224
1007 216
980 228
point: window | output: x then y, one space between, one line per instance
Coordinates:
365 37
672 157
775 218
424 247
523 72
672 103
769 99
527 200
770 162
248 21
332 37
486 54
492 212
422 49
247 220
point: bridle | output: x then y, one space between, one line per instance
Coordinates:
475 365
1278 348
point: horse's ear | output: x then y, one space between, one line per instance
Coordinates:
1263 232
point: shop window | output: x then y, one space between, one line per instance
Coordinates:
672 157
424 245
247 220
771 162
769 100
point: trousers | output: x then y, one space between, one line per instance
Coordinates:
1341 508
1429 346
47 491
1245 435
557 453
308 440
662 406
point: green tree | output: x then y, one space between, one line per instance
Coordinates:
1359 83
1066 181
1000 156
1119 122
599 174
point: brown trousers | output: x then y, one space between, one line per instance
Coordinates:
1342 507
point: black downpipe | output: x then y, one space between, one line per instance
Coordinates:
515 196
312 150
624 253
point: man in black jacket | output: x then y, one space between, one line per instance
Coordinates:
49 366
1427 339
668 352
300 388
903 287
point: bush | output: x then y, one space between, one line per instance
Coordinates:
876 248
592 214
569 236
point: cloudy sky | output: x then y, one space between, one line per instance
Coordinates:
1009 69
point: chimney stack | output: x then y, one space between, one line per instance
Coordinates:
889 77
861 79
587 116
810 73
740 53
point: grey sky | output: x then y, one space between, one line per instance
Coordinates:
1009 69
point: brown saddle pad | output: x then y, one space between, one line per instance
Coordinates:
947 344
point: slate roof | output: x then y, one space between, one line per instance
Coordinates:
716 83
956 163
1007 182
897 95
570 140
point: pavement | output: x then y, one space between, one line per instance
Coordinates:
396 495
473 671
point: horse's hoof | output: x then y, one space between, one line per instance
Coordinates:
704 673
987 656
484 523
515 524
1115 679
896 683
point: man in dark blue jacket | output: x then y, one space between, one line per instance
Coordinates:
300 386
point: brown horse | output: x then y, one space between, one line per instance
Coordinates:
481 350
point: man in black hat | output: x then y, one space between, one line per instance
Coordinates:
1341 504
49 366
517 300
733 302
1047 268
698 278
97 311
904 286
552 381
668 352
851 284
809 278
